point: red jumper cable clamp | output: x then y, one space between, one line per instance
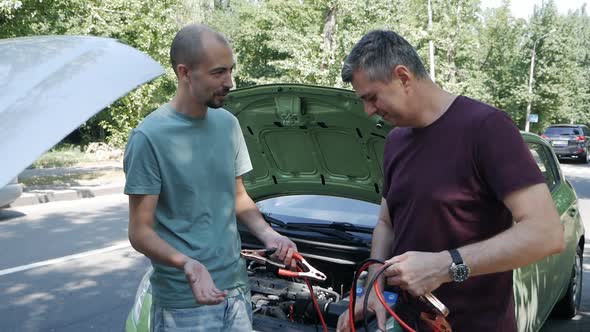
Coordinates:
307 270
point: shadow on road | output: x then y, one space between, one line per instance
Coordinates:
580 323
7 215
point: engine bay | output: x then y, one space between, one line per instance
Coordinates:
288 300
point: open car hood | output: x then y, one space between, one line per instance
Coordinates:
309 140
50 85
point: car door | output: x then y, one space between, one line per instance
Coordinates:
586 132
533 283
552 268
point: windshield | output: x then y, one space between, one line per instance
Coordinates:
330 209
562 131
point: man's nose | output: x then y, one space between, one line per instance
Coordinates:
370 108
227 82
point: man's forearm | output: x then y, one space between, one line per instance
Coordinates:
146 241
248 214
524 243
381 244
538 233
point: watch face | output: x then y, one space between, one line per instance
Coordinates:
460 272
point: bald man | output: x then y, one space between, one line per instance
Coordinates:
184 165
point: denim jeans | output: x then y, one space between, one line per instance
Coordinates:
233 314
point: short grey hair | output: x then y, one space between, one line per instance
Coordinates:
187 47
378 52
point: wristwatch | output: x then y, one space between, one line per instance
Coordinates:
459 271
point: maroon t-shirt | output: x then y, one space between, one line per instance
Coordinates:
444 185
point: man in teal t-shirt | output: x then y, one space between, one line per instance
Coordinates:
183 166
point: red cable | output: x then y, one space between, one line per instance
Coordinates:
351 314
350 309
315 303
391 312
381 299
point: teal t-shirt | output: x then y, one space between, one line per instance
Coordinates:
192 164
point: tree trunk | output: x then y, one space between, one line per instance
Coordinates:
222 4
329 34
451 51
196 11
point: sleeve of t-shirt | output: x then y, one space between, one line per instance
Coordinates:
142 173
243 164
503 158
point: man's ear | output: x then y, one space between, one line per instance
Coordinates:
403 74
183 72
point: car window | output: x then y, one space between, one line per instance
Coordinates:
545 162
556 131
322 208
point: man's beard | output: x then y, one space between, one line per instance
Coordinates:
213 103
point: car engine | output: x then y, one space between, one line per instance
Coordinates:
289 299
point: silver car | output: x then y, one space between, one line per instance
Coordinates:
50 85
569 141
10 193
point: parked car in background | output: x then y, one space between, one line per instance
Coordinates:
570 141
318 179
10 193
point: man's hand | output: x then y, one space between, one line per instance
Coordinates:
201 284
248 214
373 306
419 272
285 249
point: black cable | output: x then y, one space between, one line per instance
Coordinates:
368 292
316 305
357 273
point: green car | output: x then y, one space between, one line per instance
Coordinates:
318 178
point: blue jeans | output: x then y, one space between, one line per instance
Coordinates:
233 314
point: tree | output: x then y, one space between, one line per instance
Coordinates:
485 55
503 64
145 25
549 37
456 26
574 77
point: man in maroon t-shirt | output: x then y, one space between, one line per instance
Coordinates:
457 175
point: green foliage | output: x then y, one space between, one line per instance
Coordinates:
60 156
7 7
482 54
572 74
504 62
146 25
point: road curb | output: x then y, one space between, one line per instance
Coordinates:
73 193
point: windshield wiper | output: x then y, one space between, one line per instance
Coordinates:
317 228
343 226
272 220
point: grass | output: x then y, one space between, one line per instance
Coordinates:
68 180
63 155
61 158
75 174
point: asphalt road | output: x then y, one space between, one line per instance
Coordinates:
91 291
67 266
